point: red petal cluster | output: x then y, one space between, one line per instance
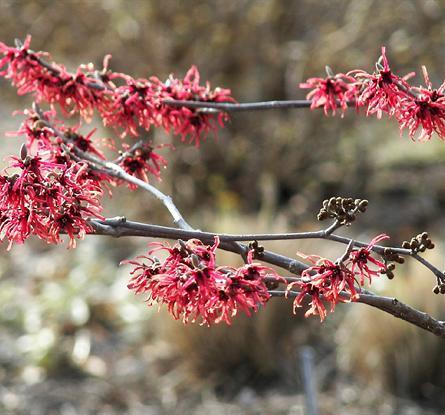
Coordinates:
189 122
53 84
39 137
361 261
419 109
142 161
47 199
335 282
193 287
331 92
135 103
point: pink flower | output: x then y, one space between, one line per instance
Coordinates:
427 111
324 281
136 103
132 106
382 92
73 92
83 143
189 122
361 259
331 92
193 287
47 199
142 162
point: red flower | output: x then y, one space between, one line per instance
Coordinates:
38 136
382 92
189 122
193 287
83 143
137 103
132 106
53 84
360 260
331 92
47 199
426 111
142 162
324 281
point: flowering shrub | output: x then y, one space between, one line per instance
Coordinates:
54 188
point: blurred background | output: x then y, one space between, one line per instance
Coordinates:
73 340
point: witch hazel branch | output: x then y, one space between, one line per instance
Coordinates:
53 189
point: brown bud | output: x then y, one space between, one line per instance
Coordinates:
182 244
436 289
322 215
23 151
363 205
350 217
406 245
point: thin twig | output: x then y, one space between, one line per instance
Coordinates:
238 107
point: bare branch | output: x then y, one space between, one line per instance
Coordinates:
391 306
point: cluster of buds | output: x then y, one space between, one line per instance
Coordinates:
257 249
419 243
343 209
391 257
389 270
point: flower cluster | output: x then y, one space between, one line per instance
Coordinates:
47 199
189 122
332 92
421 109
141 161
51 83
135 103
335 282
193 287
41 135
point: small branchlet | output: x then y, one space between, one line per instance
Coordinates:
419 243
344 209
